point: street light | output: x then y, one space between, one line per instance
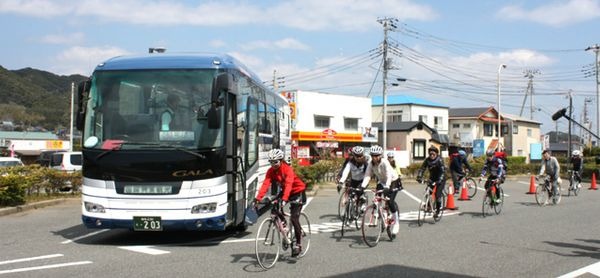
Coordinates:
500 67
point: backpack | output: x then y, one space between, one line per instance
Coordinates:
503 156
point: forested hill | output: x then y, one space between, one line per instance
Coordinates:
32 98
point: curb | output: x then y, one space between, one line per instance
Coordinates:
37 205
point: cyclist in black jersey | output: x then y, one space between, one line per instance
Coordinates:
437 175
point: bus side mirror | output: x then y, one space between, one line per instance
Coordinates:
83 89
222 83
214 121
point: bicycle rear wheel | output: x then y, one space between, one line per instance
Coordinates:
306 233
387 217
500 203
487 204
471 187
372 226
541 195
268 242
424 209
558 196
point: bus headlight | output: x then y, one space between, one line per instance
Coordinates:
204 208
93 207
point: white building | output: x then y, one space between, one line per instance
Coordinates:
403 108
324 122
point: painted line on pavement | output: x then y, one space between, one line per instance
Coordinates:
412 196
84 236
31 259
145 249
43 267
592 269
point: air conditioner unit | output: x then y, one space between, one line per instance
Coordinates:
456 135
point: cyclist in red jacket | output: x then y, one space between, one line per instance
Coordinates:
291 188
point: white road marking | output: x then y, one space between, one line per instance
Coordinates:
307 202
44 267
31 259
411 196
84 236
145 249
592 269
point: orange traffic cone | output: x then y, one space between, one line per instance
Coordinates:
464 194
593 185
450 202
531 185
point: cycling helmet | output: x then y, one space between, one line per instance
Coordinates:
576 153
490 153
390 155
275 154
462 153
376 150
358 150
433 149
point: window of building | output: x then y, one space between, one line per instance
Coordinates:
322 121
438 122
351 124
466 125
515 129
488 129
455 125
394 116
423 118
519 152
529 132
419 148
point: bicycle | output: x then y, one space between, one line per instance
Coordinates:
493 199
377 218
352 211
343 199
467 182
543 191
427 205
274 235
574 184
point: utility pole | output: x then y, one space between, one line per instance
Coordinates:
570 95
389 24
71 122
586 121
529 74
278 82
596 49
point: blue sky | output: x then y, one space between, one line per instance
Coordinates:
449 51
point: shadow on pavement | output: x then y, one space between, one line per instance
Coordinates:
389 270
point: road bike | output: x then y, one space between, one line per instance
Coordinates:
543 191
276 234
466 183
493 199
354 208
427 205
574 184
376 219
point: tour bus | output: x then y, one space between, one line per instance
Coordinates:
176 141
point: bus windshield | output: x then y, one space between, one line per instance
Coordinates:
135 109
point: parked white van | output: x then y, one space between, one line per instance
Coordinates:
66 161
10 161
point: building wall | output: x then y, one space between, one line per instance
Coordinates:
522 141
338 107
411 112
463 136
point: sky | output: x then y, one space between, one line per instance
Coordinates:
448 52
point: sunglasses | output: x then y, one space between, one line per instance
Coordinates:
359 156
274 162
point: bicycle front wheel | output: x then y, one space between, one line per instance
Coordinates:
342 203
487 205
372 225
305 234
346 216
442 209
541 195
268 242
556 197
576 188
424 209
471 187
500 200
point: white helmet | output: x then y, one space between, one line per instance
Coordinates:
576 153
390 155
358 150
276 154
376 150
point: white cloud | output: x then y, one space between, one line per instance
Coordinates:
287 43
554 14
82 60
69 39
217 43
345 15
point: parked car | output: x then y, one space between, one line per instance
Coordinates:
66 161
45 158
10 161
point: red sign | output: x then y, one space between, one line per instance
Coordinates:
329 133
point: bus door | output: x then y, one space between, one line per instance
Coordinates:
236 178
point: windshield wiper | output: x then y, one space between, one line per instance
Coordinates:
151 145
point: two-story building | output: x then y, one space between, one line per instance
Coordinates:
404 108
328 124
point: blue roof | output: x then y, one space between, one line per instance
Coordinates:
175 61
403 99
